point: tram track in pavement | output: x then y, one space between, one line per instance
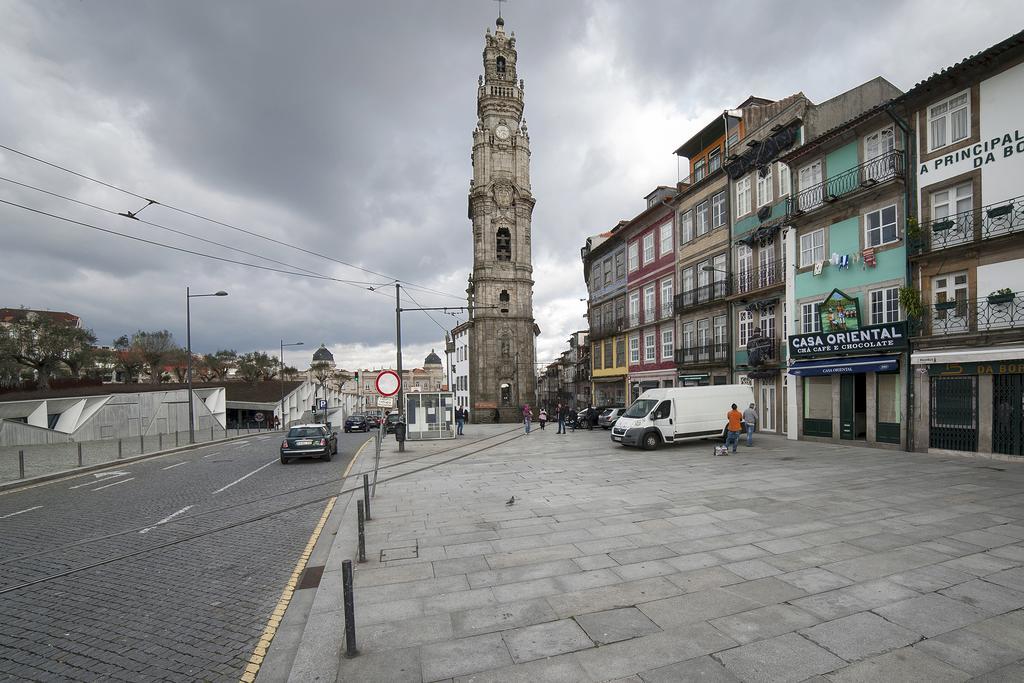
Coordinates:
242 522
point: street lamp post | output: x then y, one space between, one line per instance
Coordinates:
188 344
280 375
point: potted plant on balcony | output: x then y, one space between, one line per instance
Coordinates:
945 305
910 300
1001 296
997 211
943 225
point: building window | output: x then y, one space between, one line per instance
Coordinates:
608 353
632 257
764 187
703 224
875 145
504 245
888 387
880 227
666 297
649 303
818 398
718 215
714 160
703 336
620 265
768 322
634 308
949 121
947 288
685 227
648 248
812 248
785 183
650 347
666 238
719 324
699 170
810 175
620 353
668 343
687 286
810 321
687 336
744 268
954 204
620 310
885 305
743 196
746 327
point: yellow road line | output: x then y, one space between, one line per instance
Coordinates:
270 630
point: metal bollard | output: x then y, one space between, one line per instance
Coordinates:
160 441
21 464
366 495
176 433
79 453
119 449
350 609
142 444
362 531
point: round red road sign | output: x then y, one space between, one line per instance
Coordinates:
388 383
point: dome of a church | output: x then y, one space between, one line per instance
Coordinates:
323 354
432 359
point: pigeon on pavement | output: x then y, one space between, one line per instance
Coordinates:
511 501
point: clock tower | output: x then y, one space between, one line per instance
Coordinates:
502 338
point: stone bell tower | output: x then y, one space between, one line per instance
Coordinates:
502 342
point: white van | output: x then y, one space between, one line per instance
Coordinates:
669 415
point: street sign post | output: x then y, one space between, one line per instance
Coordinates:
388 383
386 402
259 417
323 404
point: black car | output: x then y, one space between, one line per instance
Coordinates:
373 421
356 423
309 441
390 421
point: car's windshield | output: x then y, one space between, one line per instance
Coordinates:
641 407
305 432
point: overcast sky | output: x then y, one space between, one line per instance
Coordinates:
344 128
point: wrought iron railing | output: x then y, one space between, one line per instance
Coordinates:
703 294
987 222
882 168
650 315
666 309
991 313
767 352
705 354
751 279
600 329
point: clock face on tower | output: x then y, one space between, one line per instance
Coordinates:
501 132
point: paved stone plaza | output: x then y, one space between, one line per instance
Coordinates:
785 562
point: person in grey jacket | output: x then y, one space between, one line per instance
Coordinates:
750 419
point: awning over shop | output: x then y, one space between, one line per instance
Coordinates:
967 355
842 366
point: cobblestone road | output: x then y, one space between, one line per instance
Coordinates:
188 611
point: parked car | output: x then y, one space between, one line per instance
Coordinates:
587 418
373 421
390 421
309 441
356 423
608 417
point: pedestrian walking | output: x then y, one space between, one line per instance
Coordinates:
542 417
497 416
460 420
749 421
735 418
560 416
527 416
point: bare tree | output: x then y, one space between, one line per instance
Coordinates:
127 359
156 348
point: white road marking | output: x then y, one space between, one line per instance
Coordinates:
12 514
122 481
167 518
225 488
101 476
212 454
174 465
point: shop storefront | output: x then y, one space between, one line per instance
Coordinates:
610 391
639 382
850 384
973 399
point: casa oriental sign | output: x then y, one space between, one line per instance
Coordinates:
889 337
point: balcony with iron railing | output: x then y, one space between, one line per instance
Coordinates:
881 169
748 280
993 313
767 352
701 295
968 227
707 354
600 329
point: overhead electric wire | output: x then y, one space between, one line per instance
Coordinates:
250 520
220 223
434 320
173 230
181 249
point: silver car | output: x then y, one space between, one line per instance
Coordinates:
608 417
